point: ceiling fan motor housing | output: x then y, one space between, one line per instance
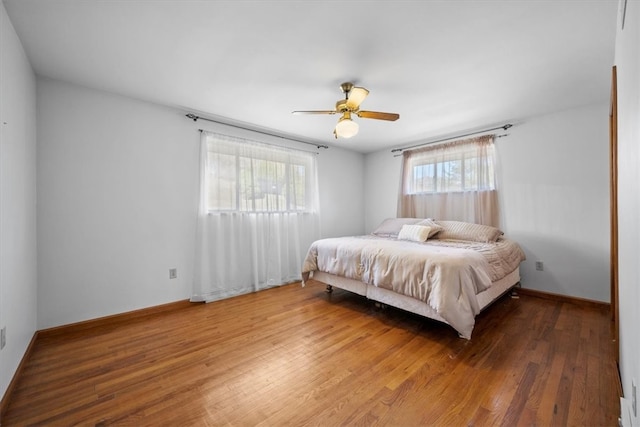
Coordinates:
341 106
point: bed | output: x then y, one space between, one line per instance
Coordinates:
444 270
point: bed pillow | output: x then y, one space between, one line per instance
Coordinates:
435 228
415 233
457 230
390 227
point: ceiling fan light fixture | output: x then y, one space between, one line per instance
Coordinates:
346 128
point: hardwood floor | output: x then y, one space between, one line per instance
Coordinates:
299 356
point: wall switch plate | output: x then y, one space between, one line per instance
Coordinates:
539 265
173 273
3 337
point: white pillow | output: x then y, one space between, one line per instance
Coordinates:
416 233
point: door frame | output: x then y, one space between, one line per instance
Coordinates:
613 194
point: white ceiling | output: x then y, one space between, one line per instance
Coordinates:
444 66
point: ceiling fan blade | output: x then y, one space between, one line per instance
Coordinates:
315 112
392 117
356 96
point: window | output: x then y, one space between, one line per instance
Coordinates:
453 181
257 178
459 169
257 216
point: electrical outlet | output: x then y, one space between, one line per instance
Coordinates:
173 273
3 337
539 265
634 402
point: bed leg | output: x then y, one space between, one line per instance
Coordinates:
513 294
329 289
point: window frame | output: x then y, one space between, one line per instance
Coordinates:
436 162
274 157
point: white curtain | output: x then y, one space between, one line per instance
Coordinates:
258 214
453 181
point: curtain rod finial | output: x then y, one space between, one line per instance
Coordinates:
193 116
507 126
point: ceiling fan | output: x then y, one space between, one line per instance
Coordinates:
353 97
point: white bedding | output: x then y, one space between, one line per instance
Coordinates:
444 274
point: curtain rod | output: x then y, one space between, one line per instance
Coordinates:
195 119
504 127
260 142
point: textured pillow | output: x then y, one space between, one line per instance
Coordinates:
390 227
416 233
457 230
435 228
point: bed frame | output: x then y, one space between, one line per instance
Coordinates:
384 296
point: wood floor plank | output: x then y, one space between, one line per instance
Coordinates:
299 356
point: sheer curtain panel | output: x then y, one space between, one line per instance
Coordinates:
452 181
258 214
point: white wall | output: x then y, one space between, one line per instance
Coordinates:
117 190
554 187
627 61
342 195
18 280
382 182
554 198
117 201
